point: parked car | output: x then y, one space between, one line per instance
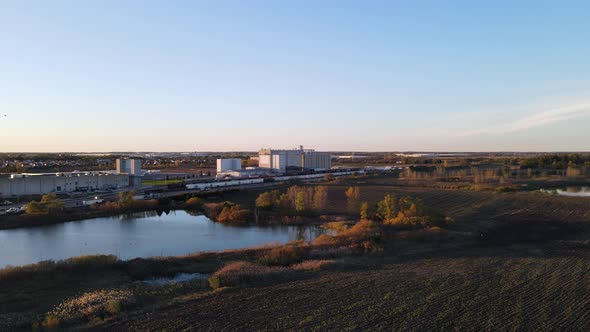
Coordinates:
6 203
13 210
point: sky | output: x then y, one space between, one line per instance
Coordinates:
91 76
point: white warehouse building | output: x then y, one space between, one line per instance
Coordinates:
280 160
224 165
44 183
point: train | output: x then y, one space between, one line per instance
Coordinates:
242 182
315 175
218 184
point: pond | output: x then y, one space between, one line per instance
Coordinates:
574 191
139 235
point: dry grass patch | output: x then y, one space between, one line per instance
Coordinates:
89 306
237 273
314 265
364 235
285 255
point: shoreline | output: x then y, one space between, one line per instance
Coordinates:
30 221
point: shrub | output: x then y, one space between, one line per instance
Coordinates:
326 240
214 282
227 212
362 230
113 307
237 273
213 209
51 322
337 226
365 235
284 255
234 214
193 202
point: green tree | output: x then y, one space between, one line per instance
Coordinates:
300 201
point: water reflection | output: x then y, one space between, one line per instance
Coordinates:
139 235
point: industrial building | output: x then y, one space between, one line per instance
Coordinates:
128 166
248 172
43 183
224 165
283 160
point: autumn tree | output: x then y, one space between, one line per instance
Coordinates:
34 207
352 198
264 201
365 212
320 198
233 214
126 199
51 203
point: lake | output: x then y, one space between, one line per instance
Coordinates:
571 191
139 235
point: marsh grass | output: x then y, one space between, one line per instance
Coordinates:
74 264
238 273
89 306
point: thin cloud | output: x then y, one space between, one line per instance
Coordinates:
536 120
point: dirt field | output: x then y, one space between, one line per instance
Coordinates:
499 289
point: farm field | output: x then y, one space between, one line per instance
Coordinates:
494 289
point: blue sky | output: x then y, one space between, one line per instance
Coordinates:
331 75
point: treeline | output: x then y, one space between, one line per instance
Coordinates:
126 203
488 174
50 204
296 200
477 174
556 161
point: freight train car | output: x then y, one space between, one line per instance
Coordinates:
222 184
